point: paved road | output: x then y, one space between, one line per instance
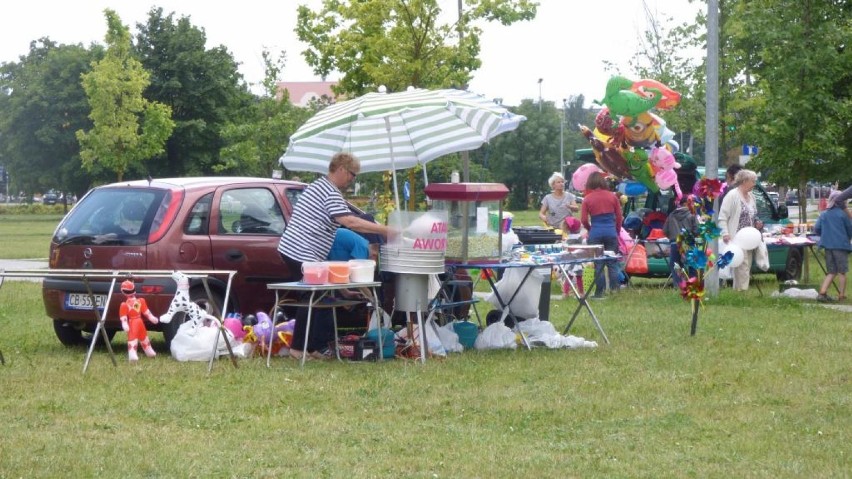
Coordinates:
11 264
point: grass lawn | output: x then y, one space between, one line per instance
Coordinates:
762 390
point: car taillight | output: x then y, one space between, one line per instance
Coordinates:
161 224
152 289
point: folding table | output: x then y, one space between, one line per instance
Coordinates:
562 265
321 297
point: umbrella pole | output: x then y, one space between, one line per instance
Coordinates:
425 178
393 164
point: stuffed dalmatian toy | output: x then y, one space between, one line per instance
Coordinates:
182 303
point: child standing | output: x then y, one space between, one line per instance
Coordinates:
835 230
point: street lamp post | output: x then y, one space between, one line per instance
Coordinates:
562 139
539 93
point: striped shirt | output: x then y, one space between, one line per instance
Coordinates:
311 230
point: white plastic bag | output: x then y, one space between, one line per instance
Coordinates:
543 333
761 257
525 304
433 341
496 336
450 339
194 341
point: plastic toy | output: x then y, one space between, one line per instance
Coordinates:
183 303
131 312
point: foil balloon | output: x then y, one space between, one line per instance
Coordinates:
622 101
581 175
606 125
608 157
234 325
665 179
632 188
668 97
643 130
640 169
662 159
673 145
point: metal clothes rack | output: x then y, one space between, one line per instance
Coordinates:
114 275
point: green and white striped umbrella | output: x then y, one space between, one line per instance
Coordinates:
391 131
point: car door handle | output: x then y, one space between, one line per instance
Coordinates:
234 255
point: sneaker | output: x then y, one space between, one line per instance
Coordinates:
824 298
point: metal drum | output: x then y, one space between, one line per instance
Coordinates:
412 268
409 260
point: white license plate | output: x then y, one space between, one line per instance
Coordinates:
83 301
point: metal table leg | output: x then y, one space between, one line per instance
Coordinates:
99 327
584 302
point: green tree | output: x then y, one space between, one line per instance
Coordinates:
202 87
128 129
42 104
399 43
797 104
254 146
525 159
664 54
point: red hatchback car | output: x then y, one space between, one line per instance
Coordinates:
169 224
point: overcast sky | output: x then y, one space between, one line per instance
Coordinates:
565 45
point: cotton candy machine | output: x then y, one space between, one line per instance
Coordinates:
414 255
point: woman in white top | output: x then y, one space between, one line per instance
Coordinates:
559 204
738 211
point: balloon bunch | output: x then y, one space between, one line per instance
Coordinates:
629 141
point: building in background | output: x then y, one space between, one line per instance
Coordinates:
301 93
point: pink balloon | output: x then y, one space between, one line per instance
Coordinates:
665 179
579 178
662 159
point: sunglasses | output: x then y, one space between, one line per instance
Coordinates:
354 175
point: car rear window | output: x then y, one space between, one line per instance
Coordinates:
119 216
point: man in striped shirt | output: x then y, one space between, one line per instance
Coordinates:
310 233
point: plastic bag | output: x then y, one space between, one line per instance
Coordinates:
433 340
761 257
525 304
450 339
543 333
496 336
194 341
637 261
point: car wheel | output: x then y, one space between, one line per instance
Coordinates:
793 267
70 334
198 296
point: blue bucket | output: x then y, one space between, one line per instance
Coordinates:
467 332
388 343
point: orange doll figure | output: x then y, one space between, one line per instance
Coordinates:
130 313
